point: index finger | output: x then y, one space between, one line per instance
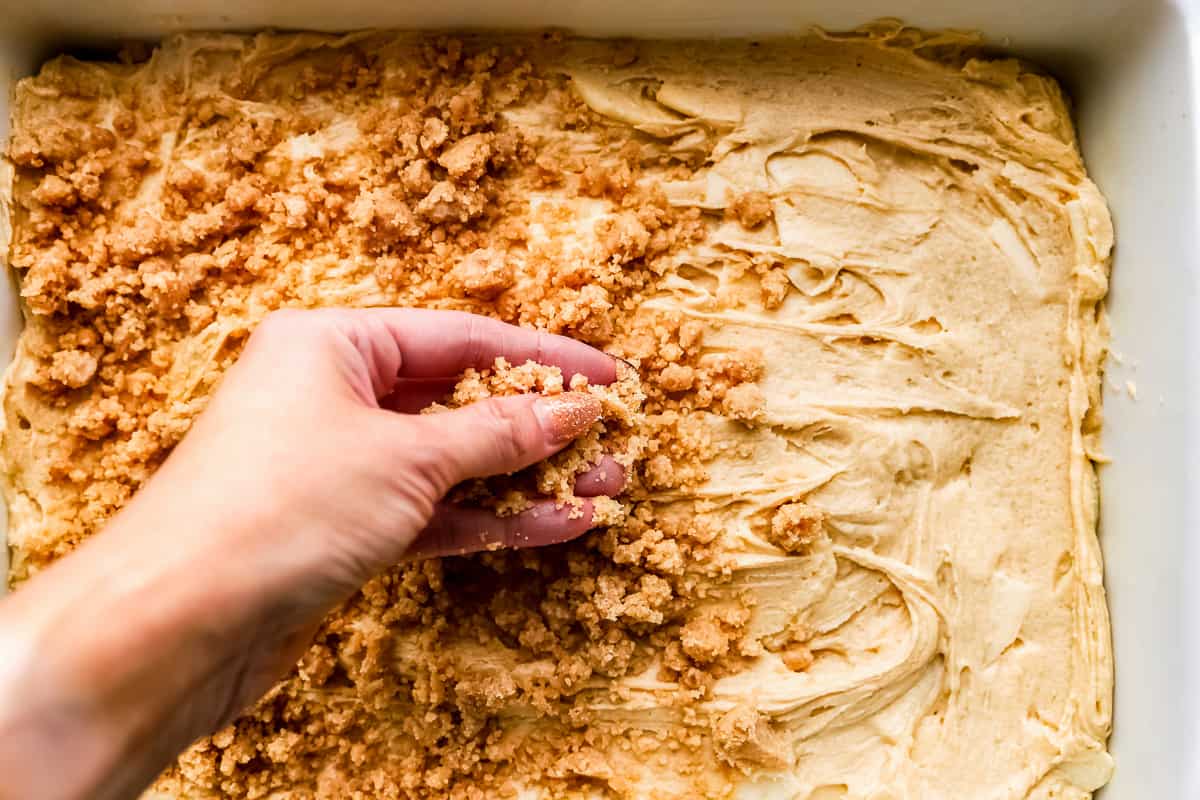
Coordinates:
436 344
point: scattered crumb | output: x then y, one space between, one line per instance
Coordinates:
72 368
795 527
744 739
483 274
751 209
704 640
775 287
677 378
744 402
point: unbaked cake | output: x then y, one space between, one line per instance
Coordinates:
859 275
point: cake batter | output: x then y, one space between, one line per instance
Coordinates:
859 276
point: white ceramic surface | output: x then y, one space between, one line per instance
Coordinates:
1132 68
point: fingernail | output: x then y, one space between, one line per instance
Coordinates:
620 360
627 363
567 415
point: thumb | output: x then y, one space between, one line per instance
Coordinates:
505 434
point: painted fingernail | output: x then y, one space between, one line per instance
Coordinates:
567 415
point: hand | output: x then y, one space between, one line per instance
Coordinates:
305 434
307 474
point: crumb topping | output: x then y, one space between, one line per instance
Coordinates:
157 222
795 526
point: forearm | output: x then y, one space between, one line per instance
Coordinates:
295 485
105 658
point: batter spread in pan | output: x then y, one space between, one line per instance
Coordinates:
859 277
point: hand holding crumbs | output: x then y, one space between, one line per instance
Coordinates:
308 473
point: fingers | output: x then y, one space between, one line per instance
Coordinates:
437 344
606 478
375 348
498 435
458 530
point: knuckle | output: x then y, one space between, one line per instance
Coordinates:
433 465
279 324
543 347
507 423
474 341
282 329
284 318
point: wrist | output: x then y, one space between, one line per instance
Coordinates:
105 659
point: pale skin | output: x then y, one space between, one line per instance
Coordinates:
308 473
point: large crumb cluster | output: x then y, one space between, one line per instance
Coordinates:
162 208
617 435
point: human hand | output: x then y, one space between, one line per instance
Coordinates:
315 430
306 475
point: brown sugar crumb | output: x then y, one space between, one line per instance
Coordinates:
433 134
795 527
483 274
677 378
744 402
745 740
607 511
797 657
775 287
751 209
671 351
676 451
467 157
791 645
73 368
704 640
54 191
446 203
623 237
484 691
169 284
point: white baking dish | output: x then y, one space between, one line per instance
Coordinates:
1131 67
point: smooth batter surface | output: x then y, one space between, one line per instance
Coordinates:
860 276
